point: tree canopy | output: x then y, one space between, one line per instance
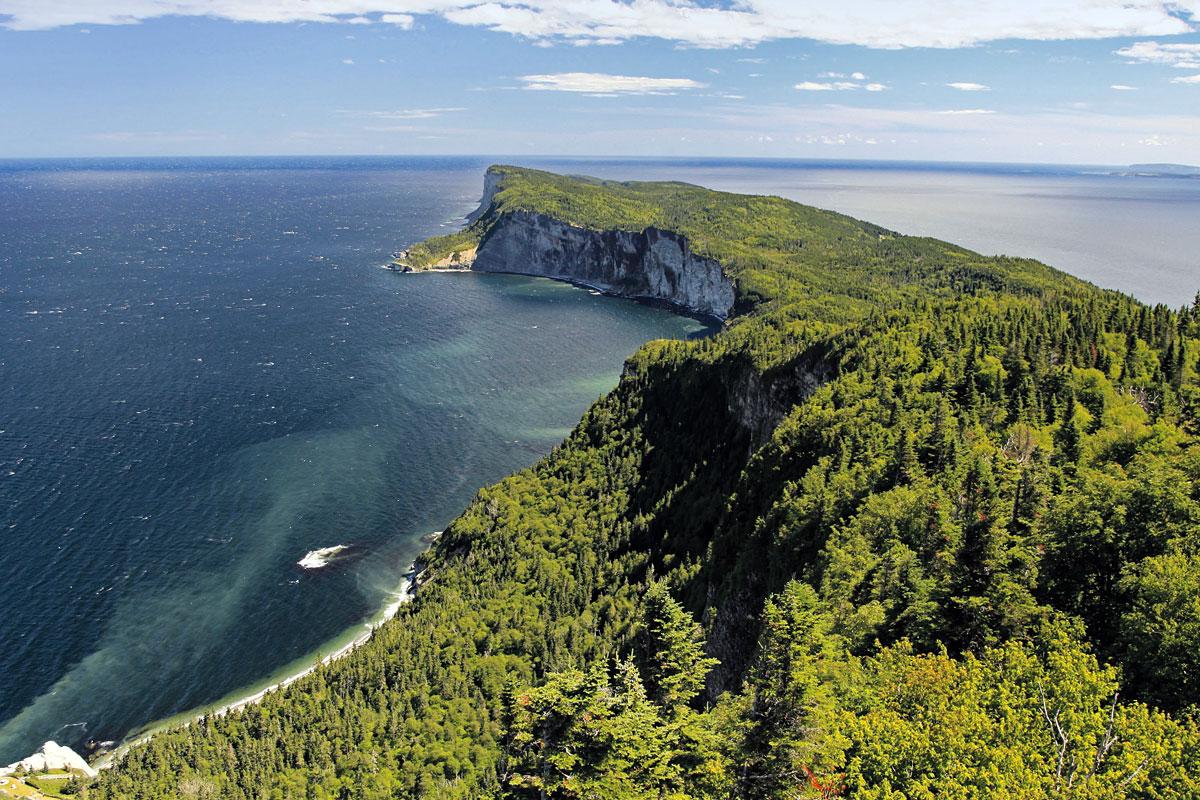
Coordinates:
916 523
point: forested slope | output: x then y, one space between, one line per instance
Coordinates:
917 523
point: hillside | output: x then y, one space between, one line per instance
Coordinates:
916 523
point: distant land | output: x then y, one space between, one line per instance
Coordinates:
1160 171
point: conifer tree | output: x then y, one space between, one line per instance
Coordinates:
673 643
788 729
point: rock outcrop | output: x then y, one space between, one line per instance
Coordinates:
52 756
491 185
650 264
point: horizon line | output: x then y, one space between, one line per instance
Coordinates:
573 157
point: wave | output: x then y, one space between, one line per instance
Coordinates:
322 557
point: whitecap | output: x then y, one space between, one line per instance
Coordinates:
322 557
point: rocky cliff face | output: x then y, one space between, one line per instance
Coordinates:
491 185
651 264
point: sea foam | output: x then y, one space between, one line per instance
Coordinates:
322 557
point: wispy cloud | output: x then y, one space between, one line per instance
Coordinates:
815 86
403 113
1174 54
169 137
966 86
870 23
839 139
965 111
1123 87
599 83
855 82
1187 79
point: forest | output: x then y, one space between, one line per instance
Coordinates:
916 523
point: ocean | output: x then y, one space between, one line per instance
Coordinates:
205 377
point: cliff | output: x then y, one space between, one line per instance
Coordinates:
650 264
491 185
647 264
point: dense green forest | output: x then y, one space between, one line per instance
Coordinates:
916 523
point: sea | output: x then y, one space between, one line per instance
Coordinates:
206 379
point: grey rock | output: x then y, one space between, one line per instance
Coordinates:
651 264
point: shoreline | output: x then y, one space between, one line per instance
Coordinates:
655 302
403 595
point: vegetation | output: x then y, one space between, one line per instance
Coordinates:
431 252
917 523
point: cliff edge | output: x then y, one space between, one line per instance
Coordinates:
647 264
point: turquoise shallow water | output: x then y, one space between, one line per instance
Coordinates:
204 375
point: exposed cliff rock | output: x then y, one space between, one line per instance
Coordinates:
760 400
491 185
650 264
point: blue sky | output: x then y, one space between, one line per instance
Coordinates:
1075 81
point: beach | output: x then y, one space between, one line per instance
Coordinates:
404 594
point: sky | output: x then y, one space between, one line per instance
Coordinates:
1057 81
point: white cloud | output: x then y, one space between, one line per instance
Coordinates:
814 86
599 83
1152 141
347 60
1179 55
1122 87
871 23
404 21
965 111
840 85
1188 79
964 86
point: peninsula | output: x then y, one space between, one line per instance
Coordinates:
916 522
1160 171
537 223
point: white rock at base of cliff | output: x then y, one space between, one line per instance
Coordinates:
52 756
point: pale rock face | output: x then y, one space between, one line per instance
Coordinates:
650 264
491 184
52 756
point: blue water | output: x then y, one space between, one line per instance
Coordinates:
204 375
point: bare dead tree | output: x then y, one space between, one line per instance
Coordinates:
1067 765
